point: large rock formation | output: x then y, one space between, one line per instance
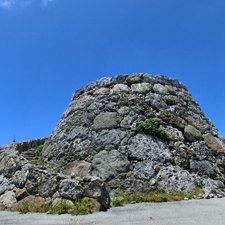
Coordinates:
94 144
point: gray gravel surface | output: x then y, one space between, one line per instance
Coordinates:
199 212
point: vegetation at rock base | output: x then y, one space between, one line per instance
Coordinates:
23 208
80 207
122 199
150 128
38 150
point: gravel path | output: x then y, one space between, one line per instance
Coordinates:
199 212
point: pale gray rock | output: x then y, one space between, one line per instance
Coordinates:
209 186
101 91
144 147
191 133
173 178
105 120
8 199
5 185
160 89
104 82
155 101
113 137
78 169
119 89
141 88
173 134
108 164
78 132
144 170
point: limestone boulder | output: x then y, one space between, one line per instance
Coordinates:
108 164
213 143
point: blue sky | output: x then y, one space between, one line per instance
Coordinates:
49 48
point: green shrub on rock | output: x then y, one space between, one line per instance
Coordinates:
150 128
38 150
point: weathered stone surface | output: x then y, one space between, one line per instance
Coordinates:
173 134
128 100
160 89
8 199
42 182
5 185
171 99
144 170
213 144
202 168
141 88
98 191
71 189
101 91
127 183
107 120
143 147
191 133
169 118
108 164
78 169
119 89
134 78
182 155
174 178
196 123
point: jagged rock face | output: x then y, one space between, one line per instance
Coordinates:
97 128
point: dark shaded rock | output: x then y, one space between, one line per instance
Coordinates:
42 182
98 191
169 118
134 78
21 194
202 168
128 100
182 155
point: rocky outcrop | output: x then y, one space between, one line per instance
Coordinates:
96 151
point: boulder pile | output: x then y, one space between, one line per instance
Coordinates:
95 152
